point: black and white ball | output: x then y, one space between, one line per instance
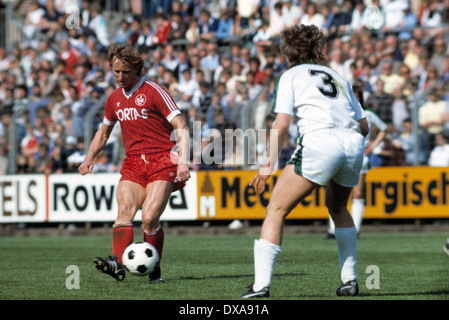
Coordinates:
140 258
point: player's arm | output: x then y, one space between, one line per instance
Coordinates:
283 108
278 135
382 126
364 126
183 135
97 144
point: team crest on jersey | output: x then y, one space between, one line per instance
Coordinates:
140 100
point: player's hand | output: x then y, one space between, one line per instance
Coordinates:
86 167
183 172
259 181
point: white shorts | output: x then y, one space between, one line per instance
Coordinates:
366 165
330 154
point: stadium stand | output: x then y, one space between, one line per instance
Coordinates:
219 59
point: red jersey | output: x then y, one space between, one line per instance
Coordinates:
144 114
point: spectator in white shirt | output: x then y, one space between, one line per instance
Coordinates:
439 156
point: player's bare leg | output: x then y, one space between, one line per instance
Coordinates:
158 194
130 196
283 199
345 235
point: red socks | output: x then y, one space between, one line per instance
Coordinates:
155 238
122 237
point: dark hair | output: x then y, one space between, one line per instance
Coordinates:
303 44
127 54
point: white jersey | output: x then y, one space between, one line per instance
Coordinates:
319 97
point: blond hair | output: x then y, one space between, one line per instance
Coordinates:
127 54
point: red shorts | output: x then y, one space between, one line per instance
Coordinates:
147 168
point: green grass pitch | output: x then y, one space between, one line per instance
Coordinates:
411 266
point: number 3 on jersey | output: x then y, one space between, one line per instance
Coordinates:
328 87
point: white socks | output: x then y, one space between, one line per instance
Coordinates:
357 210
346 239
331 229
265 254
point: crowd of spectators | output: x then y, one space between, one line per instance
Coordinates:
215 57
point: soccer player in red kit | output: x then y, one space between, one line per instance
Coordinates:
151 170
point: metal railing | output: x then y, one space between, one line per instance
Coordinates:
89 123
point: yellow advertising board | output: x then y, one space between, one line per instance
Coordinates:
391 192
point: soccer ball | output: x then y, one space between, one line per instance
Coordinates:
140 258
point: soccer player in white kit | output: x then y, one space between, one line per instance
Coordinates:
330 148
358 193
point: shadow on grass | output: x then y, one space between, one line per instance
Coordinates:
376 294
235 276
